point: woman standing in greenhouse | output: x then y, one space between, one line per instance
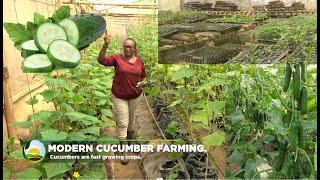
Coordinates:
129 72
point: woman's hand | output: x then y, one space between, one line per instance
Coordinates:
107 39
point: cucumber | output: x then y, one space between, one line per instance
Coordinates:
46 33
83 29
288 116
304 100
297 82
303 72
37 63
28 48
283 144
301 142
287 77
293 136
63 54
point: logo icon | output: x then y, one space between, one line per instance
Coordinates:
34 151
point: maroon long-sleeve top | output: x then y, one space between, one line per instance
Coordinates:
126 77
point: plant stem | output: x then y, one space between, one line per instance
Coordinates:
305 153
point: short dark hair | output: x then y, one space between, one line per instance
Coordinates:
135 44
131 39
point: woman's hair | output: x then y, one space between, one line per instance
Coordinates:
135 44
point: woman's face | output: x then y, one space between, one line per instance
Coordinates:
129 48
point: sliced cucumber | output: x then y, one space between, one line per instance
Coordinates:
63 54
47 33
84 29
28 48
37 63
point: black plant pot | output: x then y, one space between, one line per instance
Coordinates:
200 173
167 166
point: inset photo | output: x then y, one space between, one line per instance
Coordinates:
237 32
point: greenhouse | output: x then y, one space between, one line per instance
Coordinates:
159 89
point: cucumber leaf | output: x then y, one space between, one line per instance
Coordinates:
61 13
32 28
38 19
18 33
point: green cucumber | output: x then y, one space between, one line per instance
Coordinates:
37 63
301 141
288 115
63 54
303 71
304 100
84 29
46 33
287 77
283 144
28 48
297 82
293 136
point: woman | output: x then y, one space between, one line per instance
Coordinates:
129 72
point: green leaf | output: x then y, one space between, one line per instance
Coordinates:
175 103
182 73
32 28
215 106
200 116
38 19
275 123
81 117
77 99
18 33
49 94
173 175
91 130
53 169
215 139
107 112
56 116
107 123
99 101
51 82
67 107
42 116
93 174
172 127
154 91
99 93
33 100
61 13
17 154
6 173
250 169
52 134
23 124
77 136
235 157
29 173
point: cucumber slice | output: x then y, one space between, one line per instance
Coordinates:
47 33
63 54
83 29
37 63
71 30
28 48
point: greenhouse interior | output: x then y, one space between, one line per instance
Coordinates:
199 89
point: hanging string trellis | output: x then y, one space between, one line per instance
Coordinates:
28 82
